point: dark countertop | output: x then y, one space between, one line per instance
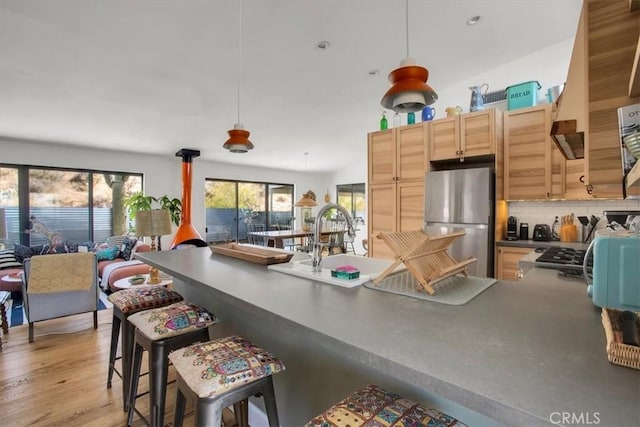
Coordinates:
535 244
518 353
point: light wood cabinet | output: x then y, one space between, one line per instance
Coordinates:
397 164
534 167
508 257
527 153
466 135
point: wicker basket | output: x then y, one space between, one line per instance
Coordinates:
617 352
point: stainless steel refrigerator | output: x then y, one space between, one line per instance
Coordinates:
463 200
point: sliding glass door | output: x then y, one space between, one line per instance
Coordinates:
235 208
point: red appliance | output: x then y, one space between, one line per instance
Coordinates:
187 234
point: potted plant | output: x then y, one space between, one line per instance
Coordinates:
139 202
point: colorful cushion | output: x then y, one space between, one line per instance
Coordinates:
126 248
172 320
107 254
133 300
218 366
375 406
8 260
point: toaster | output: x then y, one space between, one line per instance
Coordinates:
541 233
616 269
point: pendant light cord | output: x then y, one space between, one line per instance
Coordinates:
407 22
239 52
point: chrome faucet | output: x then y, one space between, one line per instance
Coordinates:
316 259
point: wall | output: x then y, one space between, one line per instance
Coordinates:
544 212
162 174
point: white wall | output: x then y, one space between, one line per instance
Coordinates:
162 174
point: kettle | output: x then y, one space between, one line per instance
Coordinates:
477 100
428 113
453 111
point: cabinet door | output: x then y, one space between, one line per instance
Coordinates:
508 258
557 173
477 133
411 149
444 139
410 203
574 180
382 218
382 157
527 153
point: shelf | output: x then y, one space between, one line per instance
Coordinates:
633 178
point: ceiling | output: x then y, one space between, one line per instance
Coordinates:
155 76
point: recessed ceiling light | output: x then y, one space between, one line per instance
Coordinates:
374 72
473 20
323 45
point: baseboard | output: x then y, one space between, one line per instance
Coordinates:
257 418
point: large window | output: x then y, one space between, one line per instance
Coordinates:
353 198
233 207
76 205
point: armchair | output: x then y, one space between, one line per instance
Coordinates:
60 285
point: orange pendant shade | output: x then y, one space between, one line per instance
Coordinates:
238 141
409 91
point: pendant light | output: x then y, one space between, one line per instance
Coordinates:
409 91
238 141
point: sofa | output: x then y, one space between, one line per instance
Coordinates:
114 260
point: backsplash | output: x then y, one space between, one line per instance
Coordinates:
545 212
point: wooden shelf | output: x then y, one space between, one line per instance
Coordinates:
633 178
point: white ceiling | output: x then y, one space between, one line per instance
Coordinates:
155 76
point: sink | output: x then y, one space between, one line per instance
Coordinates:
370 268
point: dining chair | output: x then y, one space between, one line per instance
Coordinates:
253 239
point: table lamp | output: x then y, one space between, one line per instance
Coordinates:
305 204
153 223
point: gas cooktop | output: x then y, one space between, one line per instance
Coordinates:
557 257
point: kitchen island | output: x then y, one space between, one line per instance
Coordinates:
521 353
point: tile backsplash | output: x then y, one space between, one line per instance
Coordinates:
545 212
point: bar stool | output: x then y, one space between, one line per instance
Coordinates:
218 373
125 303
161 331
373 405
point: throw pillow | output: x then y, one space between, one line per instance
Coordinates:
126 248
22 252
8 260
107 254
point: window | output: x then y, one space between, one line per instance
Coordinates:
234 207
353 198
76 205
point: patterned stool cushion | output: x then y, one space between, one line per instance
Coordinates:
172 320
217 366
133 300
375 406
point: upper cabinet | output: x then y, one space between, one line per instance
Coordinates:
603 76
534 167
398 155
527 153
466 135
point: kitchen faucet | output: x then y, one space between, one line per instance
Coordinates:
316 259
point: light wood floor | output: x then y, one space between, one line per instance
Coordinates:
61 378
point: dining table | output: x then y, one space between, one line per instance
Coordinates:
276 238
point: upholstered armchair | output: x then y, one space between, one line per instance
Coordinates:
60 285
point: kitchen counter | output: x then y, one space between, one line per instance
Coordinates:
521 353
536 244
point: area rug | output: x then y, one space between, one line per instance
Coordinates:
455 290
16 315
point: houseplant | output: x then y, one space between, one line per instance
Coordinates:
140 202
